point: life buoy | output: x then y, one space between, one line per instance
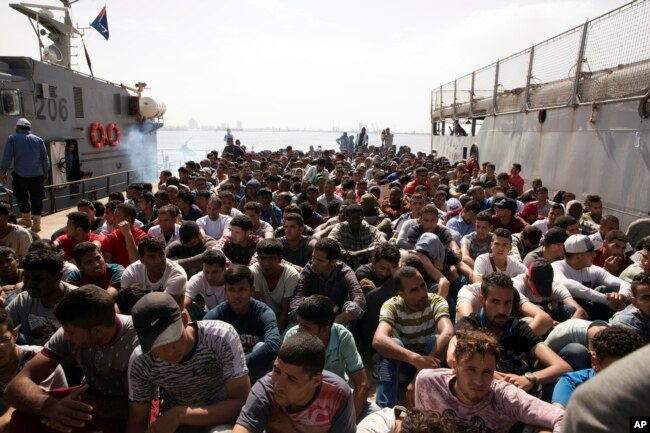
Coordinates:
114 134
94 139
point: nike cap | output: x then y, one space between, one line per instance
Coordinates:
157 320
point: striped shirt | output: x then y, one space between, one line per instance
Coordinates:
413 327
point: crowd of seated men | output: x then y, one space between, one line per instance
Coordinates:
279 291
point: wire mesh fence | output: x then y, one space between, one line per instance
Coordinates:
617 55
554 70
615 64
512 82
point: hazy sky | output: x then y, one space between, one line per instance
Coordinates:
303 63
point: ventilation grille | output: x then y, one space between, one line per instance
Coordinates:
78 102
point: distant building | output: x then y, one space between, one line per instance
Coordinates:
240 125
193 124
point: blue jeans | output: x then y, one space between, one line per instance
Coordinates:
452 297
389 374
576 355
368 409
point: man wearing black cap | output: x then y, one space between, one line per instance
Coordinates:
198 368
569 224
505 216
552 248
30 170
538 287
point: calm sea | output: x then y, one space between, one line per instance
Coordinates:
176 146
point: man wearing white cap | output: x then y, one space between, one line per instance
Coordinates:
30 167
596 290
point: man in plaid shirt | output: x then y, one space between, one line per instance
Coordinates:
358 238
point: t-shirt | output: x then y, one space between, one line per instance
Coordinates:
105 367
503 405
568 383
559 293
213 295
331 409
483 266
115 245
341 355
569 331
515 225
300 256
413 327
37 323
283 290
18 239
173 281
470 293
263 229
257 325
112 277
517 337
217 357
54 381
382 421
470 243
156 232
214 228
67 243
580 282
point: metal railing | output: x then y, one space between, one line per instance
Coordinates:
66 195
606 59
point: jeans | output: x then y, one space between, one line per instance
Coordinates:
368 409
29 192
368 323
452 297
389 374
258 362
576 355
562 312
596 310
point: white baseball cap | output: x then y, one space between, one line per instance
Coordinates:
23 122
578 244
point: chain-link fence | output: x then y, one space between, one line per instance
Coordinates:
613 64
617 55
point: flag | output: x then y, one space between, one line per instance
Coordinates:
101 23
90 65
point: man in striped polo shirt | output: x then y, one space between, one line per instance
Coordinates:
413 333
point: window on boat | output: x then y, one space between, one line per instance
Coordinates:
10 102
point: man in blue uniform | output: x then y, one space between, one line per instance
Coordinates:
30 167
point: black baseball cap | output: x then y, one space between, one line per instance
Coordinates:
540 278
157 320
555 235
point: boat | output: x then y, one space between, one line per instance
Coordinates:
573 110
112 126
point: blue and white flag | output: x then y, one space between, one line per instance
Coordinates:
101 23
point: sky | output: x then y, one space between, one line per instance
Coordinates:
303 64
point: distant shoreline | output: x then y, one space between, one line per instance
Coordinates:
182 128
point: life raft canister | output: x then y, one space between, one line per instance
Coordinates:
114 134
95 139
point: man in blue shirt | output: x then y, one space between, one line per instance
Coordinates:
607 346
31 165
253 320
465 222
316 316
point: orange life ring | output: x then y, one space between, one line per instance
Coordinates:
94 139
114 131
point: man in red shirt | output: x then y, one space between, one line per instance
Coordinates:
77 230
515 180
421 175
611 256
121 245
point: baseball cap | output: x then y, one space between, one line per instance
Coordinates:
454 205
431 245
507 203
530 208
555 236
23 122
540 278
157 320
578 244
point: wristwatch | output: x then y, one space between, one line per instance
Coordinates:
531 377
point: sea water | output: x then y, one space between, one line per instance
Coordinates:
177 146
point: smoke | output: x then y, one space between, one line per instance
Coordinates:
139 145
